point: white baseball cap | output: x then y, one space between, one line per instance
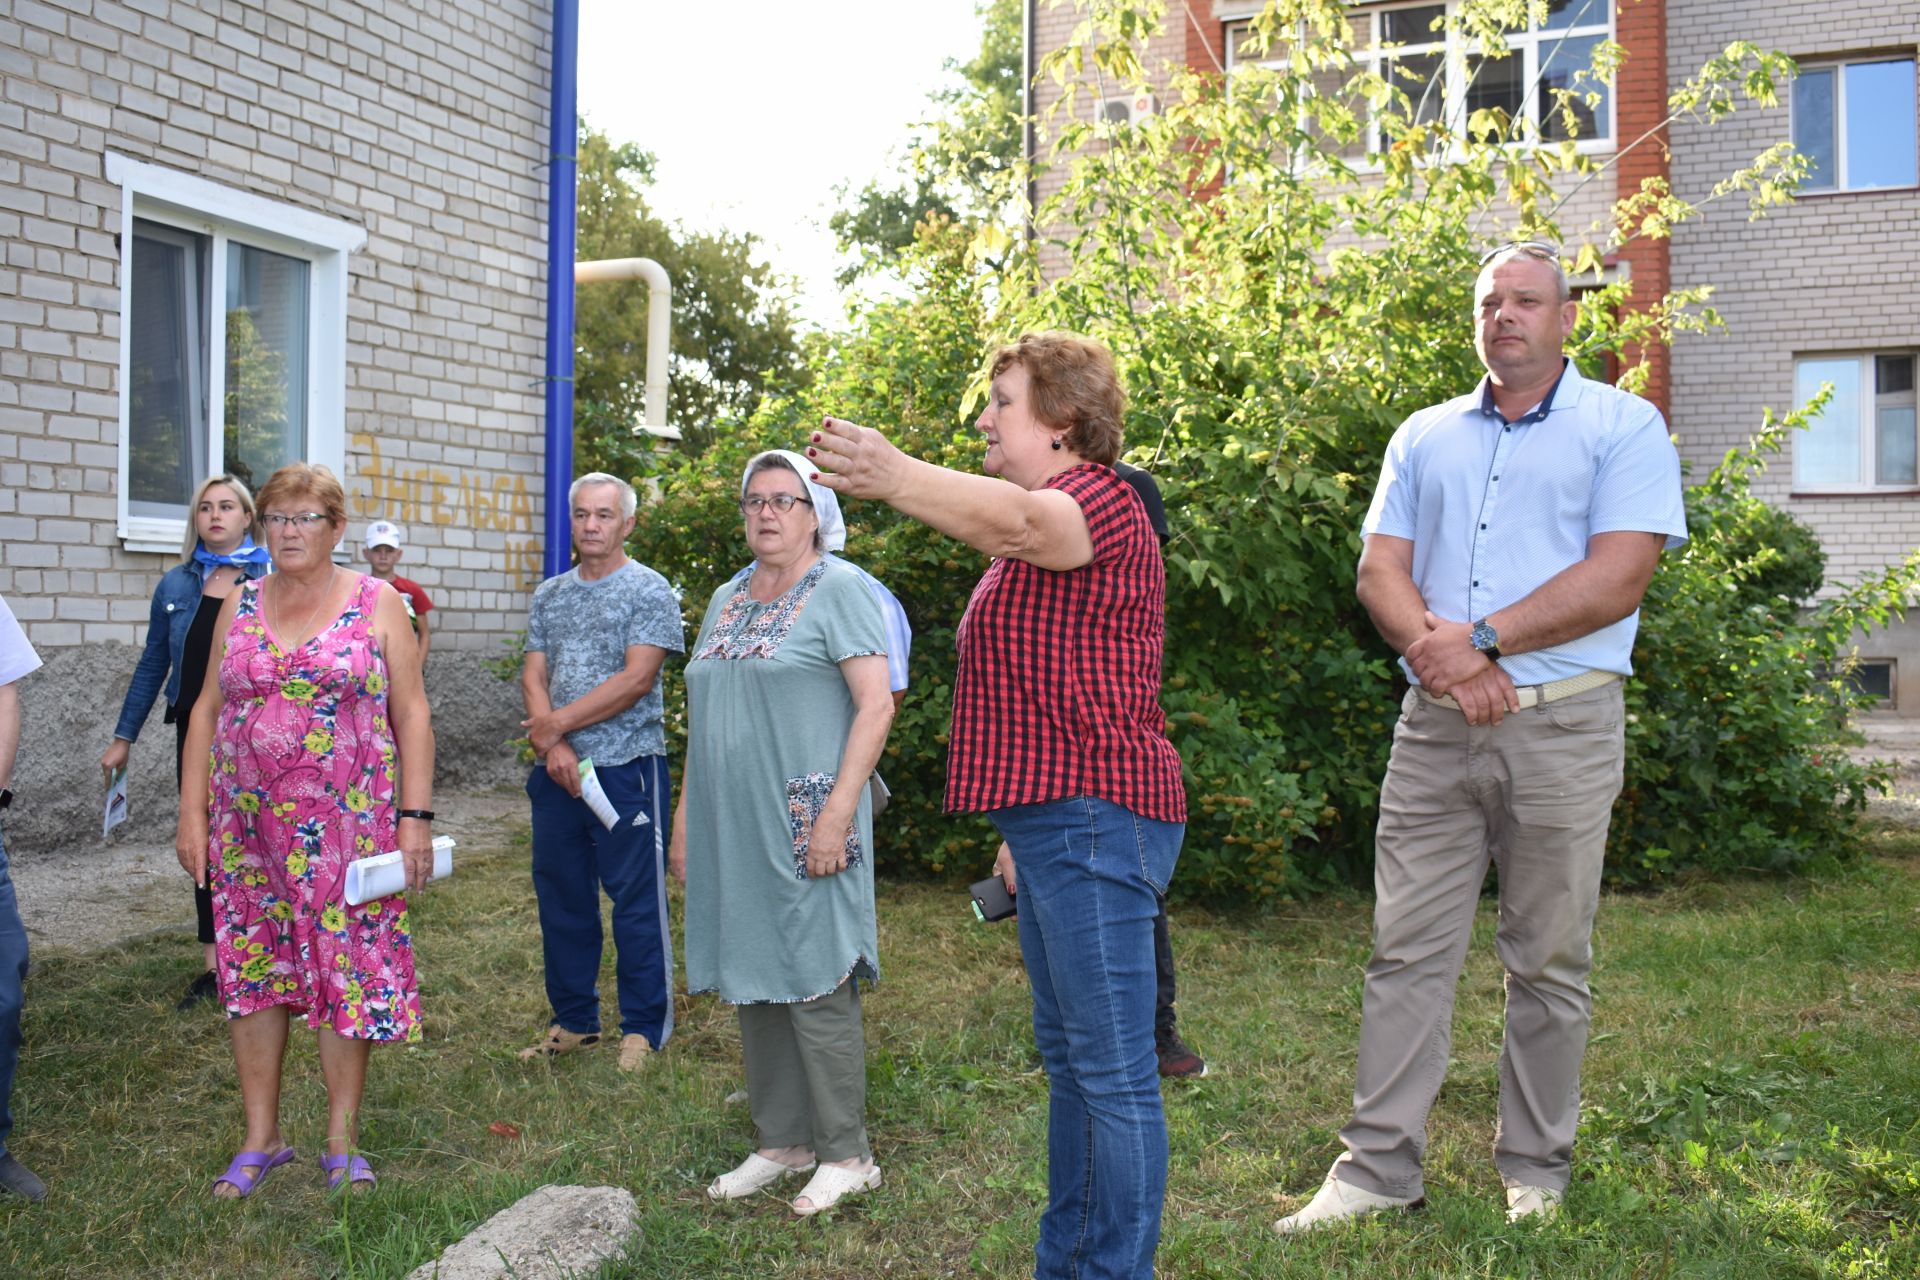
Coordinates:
383 533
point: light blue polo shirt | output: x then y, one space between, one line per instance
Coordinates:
1494 509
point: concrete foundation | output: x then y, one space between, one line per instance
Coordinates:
70 707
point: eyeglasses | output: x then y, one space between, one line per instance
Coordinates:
1540 249
781 502
303 520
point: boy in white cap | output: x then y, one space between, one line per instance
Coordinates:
383 553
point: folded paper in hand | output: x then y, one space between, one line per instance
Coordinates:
596 795
386 873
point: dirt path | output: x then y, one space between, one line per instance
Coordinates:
93 897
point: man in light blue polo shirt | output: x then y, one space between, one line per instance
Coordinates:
1511 537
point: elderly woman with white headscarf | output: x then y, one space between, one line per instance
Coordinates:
787 710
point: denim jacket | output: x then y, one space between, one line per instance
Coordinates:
174 603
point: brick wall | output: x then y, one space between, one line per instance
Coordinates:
1831 273
1639 113
422 121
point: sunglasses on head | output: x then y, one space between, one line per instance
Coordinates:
1540 249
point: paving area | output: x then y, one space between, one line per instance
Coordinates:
91 897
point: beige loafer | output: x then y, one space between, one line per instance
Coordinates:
1337 1201
753 1173
831 1184
557 1041
1540 1204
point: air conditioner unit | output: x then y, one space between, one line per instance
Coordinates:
1127 110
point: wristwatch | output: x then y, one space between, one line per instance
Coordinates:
1486 640
6 798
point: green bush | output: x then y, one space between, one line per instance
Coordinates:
1736 740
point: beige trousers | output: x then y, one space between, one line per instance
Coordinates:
1533 796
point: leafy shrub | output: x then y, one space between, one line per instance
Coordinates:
1736 742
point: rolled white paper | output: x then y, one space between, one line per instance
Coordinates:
596 796
386 873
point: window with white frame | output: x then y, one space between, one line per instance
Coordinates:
1865 437
233 358
1854 122
1446 76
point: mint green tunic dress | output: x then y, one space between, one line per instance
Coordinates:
768 715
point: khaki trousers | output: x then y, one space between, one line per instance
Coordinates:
807 1073
1534 796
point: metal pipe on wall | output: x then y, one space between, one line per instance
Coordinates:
659 325
562 176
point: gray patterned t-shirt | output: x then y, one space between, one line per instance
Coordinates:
585 628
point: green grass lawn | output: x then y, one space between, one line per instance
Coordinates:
1751 1104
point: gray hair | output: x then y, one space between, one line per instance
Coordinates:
629 501
1532 251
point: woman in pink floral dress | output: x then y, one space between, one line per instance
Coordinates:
313 718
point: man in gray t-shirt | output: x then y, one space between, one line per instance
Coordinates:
596 639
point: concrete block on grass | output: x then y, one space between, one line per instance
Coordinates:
553 1233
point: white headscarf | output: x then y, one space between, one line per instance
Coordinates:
826 503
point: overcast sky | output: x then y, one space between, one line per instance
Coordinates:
757 109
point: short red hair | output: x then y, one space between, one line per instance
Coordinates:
1075 390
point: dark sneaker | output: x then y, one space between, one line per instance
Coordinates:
1176 1060
20 1180
204 989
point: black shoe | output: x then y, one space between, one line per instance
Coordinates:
20 1180
205 988
1176 1060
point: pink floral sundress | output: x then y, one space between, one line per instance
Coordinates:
303 774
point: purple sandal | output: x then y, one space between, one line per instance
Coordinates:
342 1170
249 1167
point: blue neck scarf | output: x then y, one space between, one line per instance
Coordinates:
248 553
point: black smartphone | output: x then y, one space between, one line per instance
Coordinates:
991 901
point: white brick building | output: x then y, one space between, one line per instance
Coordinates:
1828 289
242 233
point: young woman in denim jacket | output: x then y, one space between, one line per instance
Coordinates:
220 554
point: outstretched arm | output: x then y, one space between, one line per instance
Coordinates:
1044 527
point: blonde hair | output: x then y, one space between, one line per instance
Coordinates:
1074 389
307 479
193 509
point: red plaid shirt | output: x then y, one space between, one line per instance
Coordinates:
1058 692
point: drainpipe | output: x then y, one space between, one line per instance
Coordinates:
1028 140
659 326
562 165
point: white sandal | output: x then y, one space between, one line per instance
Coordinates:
755 1172
832 1183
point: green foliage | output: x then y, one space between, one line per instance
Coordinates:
1279 297
907 363
733 331
1736 739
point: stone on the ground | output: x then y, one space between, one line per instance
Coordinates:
552 1233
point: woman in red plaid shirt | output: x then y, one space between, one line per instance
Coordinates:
1058 737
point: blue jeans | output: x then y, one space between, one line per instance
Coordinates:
13 974
1090 878
573 856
